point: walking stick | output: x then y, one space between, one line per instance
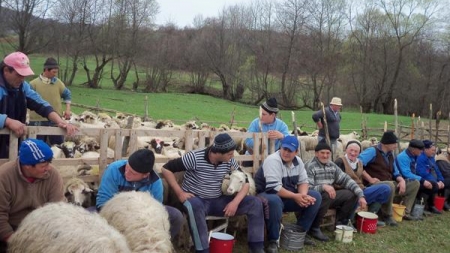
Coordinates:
325 125
295 132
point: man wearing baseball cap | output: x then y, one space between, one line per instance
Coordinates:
16 96
283 181
26 184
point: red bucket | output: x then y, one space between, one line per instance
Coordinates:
367 222
439 202
221 243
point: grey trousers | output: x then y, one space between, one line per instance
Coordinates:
407 198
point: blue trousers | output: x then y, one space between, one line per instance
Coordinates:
278 205
198 208
377 193
176 219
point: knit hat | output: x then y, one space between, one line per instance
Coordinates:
388 138
33 151
416 144
321 146
290 142
142 161
51 63
19 62
428 144
354 142
223 143
270 105
336 101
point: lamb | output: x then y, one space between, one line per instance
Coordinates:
78 192
373 141
235 180
143 220
344 138
63 227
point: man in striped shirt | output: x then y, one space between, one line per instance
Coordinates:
323 174
201 192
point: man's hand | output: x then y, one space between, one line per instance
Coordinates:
183 196
275 135
363 203
427 184
67 115
441 185
71 129
401 186
374 180
330 190
230 209
319 124
19 129
304 200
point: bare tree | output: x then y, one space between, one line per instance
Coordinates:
27 19
130 20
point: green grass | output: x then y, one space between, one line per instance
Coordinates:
429 235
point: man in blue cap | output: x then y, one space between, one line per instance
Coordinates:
283 181
26 184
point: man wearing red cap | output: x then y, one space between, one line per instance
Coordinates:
16 96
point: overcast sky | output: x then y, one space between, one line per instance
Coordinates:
182 12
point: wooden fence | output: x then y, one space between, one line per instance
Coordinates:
197 138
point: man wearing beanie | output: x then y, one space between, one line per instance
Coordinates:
323 174
27 183
52 90
136 174
380 168
16 96
428 170
282 180
201 192
267 122
333 118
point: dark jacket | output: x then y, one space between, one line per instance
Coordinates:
333 121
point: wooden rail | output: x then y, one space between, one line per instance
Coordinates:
192 138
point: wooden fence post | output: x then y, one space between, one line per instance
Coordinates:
430 134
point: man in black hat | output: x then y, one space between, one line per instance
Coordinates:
201 192
136 174
323 175
380 167
52 90
267 122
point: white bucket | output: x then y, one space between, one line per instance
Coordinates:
343 233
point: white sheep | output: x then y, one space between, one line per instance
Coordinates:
142 219
63 227
78 192
344 138
308 142
233 182
372 141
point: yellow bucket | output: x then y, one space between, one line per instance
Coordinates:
398 212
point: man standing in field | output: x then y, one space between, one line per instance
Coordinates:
16 96
52 90
333 119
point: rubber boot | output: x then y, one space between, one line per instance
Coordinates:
374 207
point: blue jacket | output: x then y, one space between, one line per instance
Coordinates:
425 167
278 125
14 104
113 181
406 164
